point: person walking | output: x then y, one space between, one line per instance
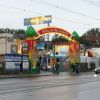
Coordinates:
77 68
44 63
73 67
54 67
57 66
38 65
21 68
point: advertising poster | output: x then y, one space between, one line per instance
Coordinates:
25 65
12 61
40 46
38 20
12 57
64 51
25 47
12 65
25 58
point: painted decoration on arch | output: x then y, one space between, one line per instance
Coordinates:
74 52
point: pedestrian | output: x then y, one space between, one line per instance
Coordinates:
44 62
73 67
53 67
57 66
77 68
21 68
38 65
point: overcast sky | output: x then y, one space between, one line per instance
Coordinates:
78 15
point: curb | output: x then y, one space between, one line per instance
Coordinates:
37 75
23 76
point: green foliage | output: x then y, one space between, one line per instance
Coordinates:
82 40
94 32
20 31
48 46
12 31
58 38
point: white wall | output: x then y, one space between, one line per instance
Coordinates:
5 45
2 46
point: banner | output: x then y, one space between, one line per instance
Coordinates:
77 52
74 52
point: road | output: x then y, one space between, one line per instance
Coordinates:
55 87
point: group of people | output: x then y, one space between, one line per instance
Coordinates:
55 65
43 61
72 67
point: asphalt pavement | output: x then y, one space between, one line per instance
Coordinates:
65 86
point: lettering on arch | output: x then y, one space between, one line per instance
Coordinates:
54 30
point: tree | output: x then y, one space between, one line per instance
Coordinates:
91 37
57 38
12 31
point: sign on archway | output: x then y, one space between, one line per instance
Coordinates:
49 30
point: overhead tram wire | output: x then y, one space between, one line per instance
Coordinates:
18 9
28 11
64 9
62 19
94 3
75 22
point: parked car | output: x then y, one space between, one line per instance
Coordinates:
97 70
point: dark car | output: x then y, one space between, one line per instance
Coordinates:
97 70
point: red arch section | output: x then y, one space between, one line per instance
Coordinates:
54 30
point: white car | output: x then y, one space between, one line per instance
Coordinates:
97 70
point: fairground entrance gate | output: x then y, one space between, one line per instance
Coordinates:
29 45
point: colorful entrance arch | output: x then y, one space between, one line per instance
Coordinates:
30 42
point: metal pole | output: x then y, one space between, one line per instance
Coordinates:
48 34
48 38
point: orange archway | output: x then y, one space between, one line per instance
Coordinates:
73 44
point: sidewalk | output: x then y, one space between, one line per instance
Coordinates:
43 73
25 75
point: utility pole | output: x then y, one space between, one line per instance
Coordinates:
48 37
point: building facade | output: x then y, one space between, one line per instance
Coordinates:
7 43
